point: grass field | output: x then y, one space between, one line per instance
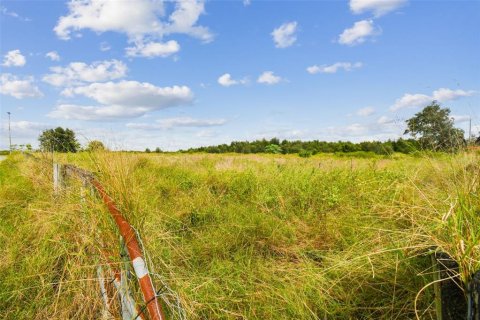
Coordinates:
243 236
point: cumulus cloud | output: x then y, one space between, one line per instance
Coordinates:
18 87
365 112
269 78
346 66
122 99
284 36
418 100
140 20
184 18
53 55
411 101
227 81
153 49
377 7
445 94
77 73
14 58
178 122
133 18
359 33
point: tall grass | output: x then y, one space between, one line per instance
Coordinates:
246 237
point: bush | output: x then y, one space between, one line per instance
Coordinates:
305 153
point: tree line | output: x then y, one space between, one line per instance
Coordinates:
307 148
431 129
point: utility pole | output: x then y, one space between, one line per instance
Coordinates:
9 132
470 131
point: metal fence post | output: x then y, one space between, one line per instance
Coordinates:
58 178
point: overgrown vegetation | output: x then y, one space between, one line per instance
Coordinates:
274 145
244 237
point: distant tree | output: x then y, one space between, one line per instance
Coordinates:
59 140
96 145
148 150
29 147
273 148
158 150
305 153
405 146
433 127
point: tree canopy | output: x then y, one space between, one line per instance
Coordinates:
434 129
59 140
96 145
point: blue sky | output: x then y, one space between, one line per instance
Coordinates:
151 73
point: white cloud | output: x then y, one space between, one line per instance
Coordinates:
445 94
359 33
177 122
227 81
284 36
131 17
53 55
461 118
153 49
79 72
269 78
377 7
346 66
104 46
384 120
122 99
13 14
17 87
355 129
137 19
94 113
365 112
27 125
418 100
411 100
14 58
134 94
247 2
184 18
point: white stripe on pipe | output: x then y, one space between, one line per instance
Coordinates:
140 267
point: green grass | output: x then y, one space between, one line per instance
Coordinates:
244 236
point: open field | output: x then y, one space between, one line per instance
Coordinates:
243 237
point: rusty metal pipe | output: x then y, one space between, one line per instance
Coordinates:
134 251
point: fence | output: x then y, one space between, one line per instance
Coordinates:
454 300
130 241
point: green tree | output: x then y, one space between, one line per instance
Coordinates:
59 140
158 150
96 145
273 148
433 127
148 150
